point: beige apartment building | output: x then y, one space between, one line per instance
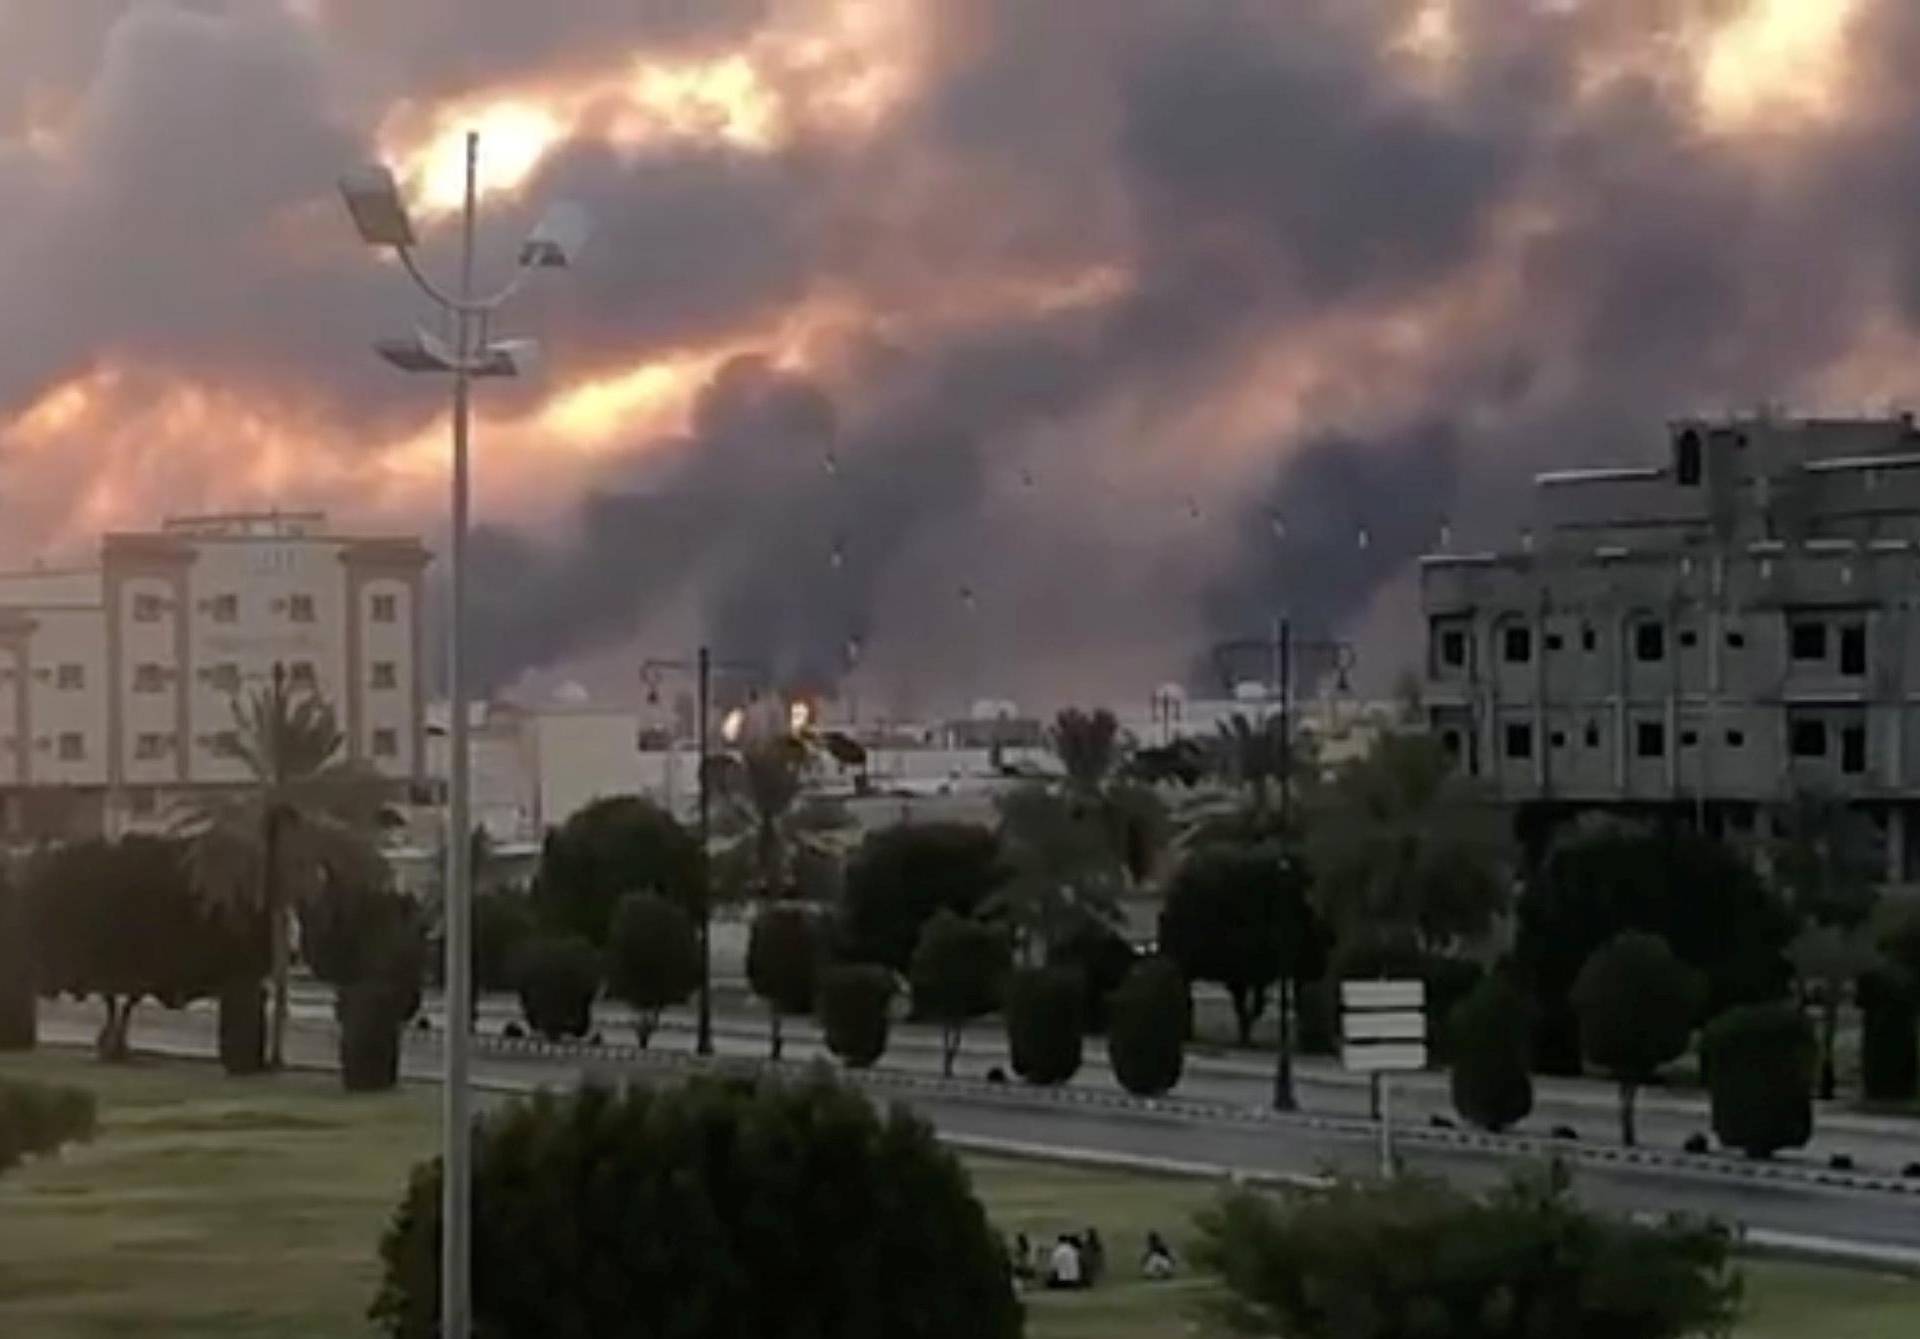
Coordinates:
117 682
1719 630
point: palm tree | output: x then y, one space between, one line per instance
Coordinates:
305 815
1400 843
763 787
1066 870
1088 745
1252 755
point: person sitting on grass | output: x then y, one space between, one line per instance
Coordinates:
1156 1262
1021 1258
1063 1266
1093 1255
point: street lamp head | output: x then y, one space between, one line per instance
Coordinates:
558 239
415 353
508 358
373 198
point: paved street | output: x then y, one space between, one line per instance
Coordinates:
1879 1218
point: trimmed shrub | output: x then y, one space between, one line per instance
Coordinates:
854 1003
1151 1018
781 1211
369 1036
653 958
1636 1004
1103 958
19 1018
783 965
1412 1258
1043 1023
243 1027
37 1119
558 977
957 973
1889 1036
1759 1062
1488 1036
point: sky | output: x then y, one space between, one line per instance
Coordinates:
943 349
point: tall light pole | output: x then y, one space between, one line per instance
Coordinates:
373 198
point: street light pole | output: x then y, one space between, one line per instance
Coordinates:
703 1044
373 198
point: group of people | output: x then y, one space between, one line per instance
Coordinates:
1078 1259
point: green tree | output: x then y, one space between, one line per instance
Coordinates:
1489 1033
18 1017
1700 896
1399 841
783 964
370 945
1103 957
761 787
1759 1060
615 846
1088 746
503 920
1826 859
901 875
855 1000
1411 1258
1043 1023
122 920
653 958
1064 871
1239 916
1828 959
1152 1015
707 1209
306 814
558 976
1252 754
1889 1036
1637 1005
956 974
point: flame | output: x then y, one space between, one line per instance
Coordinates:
1776 63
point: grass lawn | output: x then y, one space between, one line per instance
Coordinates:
230 1209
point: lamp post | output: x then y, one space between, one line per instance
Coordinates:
373 199
702 668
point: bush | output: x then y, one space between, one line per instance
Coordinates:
558 977
1103 957
956 975
783 964
1889 1036
854 1003
243 1027
36 1119
780 1211
503 920
606 851
18 1016
369 1037
653 958
1043 1023
1411 1258
1488 1036
901 876
1152 1016
1759 1061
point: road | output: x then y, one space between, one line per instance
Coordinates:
1882 1143
1874 1218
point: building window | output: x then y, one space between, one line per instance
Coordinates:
386 744
300 674
1588 639
73 746
1450 741
1736 639
147 747
1649 642
225 608
300 608
72 677
1554 641
385 675
223 677
1853 648
1808 739
1689 738
142 801
1686 459
1736 739
1559 739
1519 741
385 610
225 744
1853 749
1517 645
147 608
1808 641
1650 739
1592 736
149 678
1689 638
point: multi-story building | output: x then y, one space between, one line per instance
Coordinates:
1719 630
117 683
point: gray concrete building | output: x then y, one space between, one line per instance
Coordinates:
1719 630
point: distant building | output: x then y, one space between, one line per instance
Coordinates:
1713 632
117 681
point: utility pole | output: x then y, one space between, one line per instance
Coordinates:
1282 667
703 1043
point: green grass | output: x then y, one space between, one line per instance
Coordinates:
236 1209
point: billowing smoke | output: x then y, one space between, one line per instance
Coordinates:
1019 348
